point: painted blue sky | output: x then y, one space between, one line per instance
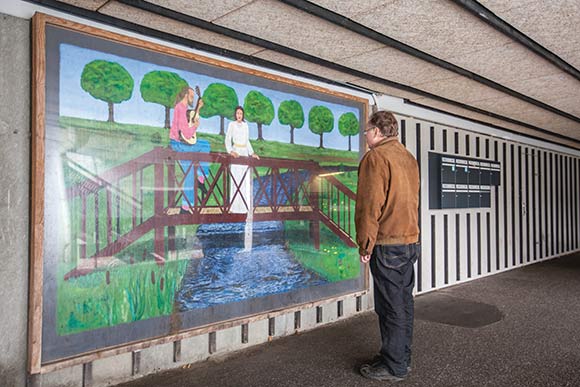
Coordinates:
75 102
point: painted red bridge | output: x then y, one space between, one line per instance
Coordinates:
119 206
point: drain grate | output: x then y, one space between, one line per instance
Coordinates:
455 311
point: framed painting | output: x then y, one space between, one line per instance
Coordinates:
173 192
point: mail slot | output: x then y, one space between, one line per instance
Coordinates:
448 196
461 196
485 173
474 172
461 172
447 171
485 196
473 197
495 174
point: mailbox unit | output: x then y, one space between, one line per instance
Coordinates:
460 182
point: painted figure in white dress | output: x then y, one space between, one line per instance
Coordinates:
238 145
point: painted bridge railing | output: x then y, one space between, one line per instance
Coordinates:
116 208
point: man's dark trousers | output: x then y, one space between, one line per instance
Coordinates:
394 278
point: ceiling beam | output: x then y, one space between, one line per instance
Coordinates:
360 29
507 29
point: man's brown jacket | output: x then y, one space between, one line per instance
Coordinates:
387 197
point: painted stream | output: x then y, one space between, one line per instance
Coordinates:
227 273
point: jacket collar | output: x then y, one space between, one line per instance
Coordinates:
386 140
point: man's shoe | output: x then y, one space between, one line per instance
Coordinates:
380 372
378 359
375 361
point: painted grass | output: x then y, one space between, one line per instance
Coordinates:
116 143
334 261
134 292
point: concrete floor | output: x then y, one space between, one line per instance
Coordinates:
517 328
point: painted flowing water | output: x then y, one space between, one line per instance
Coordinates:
230 274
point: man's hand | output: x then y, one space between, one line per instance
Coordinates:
256 156
234 154
365 258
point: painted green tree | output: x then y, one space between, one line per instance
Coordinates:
219 100
320 121
107 81
162 87
348 125
259 109
291 113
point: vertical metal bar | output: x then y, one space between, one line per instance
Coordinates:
118 205
297 320
245 333
141 194
83 240
159 238
96 222
478 233
488 240
446 248
212 342
433 252
338 207
109 217
513 219
457 248
314 226
541 204
272 326
521 203
135 363
496 158
418 157
276 172
468 225
533 206
177 351
88 374
134 197
568 204
171 194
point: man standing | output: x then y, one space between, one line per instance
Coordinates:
387 231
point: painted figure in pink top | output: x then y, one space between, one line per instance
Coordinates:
183 127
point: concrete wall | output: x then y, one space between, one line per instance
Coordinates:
14 196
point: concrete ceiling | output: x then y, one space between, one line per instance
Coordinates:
437 53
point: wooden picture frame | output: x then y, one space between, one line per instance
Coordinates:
283 190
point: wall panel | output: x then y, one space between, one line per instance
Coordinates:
533 215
